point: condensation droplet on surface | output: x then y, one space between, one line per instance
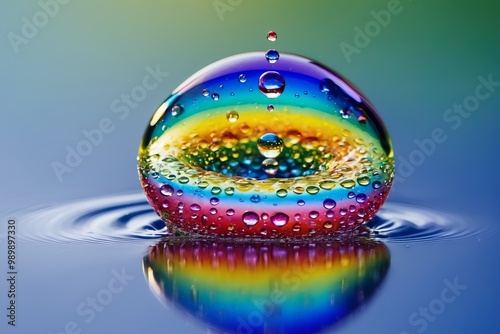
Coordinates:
176 110
250 218
279 219
271 84
232 116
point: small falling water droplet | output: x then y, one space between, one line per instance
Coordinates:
272 36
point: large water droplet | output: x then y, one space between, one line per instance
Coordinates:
271 84
270 145
272 56
305 152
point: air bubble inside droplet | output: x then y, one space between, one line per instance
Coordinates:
270 166
270 145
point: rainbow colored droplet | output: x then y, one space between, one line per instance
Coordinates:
282 145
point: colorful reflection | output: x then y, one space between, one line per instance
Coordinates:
257 287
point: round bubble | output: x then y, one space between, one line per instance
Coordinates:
214 139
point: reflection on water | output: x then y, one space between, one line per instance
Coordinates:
252 287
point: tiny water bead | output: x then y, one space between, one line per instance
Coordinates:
232 116
232 152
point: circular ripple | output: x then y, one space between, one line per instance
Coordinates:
398 222
103 219
129 217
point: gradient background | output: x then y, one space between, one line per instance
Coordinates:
65 79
